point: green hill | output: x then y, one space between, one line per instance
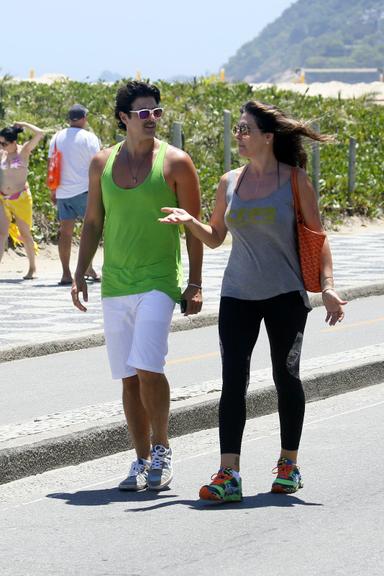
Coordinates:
313 34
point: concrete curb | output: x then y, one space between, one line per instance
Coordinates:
190 323
78 447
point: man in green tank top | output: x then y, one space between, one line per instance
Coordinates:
142 273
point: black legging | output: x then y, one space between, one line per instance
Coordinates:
239 324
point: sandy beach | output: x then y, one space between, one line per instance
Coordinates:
373 90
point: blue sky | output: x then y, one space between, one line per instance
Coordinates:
159 39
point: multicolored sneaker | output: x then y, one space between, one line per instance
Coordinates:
137 476
223 488
288 480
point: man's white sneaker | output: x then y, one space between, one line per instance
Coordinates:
160 473
137 477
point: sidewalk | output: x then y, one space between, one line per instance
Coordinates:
38 318
40 312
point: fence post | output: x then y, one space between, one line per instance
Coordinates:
316 162
351 169
227 141
177 135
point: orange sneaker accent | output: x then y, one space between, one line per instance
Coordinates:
206 494
223 488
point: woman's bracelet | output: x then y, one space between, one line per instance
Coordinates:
195 285
326 289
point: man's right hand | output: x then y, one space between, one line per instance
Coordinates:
53 196
79 285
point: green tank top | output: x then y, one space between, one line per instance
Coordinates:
140 253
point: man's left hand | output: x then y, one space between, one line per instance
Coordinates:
79 285
194 299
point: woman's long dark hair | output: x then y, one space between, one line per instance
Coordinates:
10 134
287 133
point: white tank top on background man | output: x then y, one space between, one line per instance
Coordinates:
77 146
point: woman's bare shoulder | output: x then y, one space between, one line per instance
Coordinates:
231 175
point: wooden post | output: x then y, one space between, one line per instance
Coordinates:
177 135
227 141
316 162
351 169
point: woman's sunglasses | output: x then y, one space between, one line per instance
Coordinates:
242 129
4 143
145 113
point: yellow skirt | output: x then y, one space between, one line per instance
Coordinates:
20 208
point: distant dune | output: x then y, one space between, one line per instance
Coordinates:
332 89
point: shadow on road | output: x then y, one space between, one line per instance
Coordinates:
262 500
108 496
111 495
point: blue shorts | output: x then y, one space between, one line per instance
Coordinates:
72 208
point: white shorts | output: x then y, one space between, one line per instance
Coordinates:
136 329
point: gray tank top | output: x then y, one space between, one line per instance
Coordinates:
264 260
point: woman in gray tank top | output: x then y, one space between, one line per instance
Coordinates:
263 281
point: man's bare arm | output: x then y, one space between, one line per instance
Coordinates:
187 190
92 228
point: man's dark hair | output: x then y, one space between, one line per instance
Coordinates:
10 133
128 93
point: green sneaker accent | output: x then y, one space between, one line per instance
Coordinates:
223 488
288 480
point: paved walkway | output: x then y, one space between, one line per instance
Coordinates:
41 311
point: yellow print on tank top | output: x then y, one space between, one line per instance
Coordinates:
252 216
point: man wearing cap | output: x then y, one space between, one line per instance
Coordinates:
77 146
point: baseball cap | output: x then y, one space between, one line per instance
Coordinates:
77 112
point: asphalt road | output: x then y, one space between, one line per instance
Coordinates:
62 382
73 521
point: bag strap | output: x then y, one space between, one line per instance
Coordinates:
54 147
240 178
296 197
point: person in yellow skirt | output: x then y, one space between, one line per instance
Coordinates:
15 195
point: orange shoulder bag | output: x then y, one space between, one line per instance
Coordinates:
54 169
310 244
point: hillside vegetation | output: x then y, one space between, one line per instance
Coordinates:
199 106
313 33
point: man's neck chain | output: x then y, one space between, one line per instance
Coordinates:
135 173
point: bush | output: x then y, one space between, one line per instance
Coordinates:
199 106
